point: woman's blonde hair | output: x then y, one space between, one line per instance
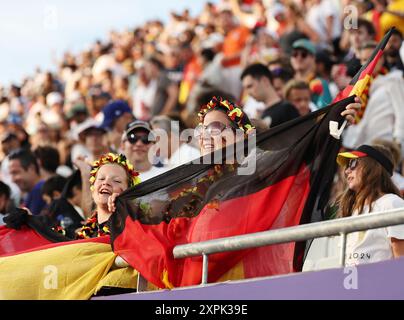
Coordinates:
375 182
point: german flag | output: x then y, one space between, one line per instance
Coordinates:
360 83
25 233
293 170
57 271
37 263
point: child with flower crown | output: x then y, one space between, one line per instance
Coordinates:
110 175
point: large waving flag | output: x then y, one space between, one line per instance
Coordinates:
26 233
61 270
196 202
38 263
360 83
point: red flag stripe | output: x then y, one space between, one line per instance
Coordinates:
247 214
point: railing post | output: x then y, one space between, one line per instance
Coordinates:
204 268
141 283
343 249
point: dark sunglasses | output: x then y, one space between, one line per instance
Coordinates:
214 128
133 138
301 53
352 164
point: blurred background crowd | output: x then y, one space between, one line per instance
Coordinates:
277 59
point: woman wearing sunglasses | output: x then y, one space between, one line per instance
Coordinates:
221 123
368 172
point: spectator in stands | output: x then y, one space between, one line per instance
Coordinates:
303 61
24 171
165 95
77 114
279 79
117 115
217 128
137 145
143 93
174 149
395 151
384 116
324 17
48 160
92 139
299 94
52 188
233 45
209 79
65 208
5 202
324 66
293 26
257 82
354 39
96 100
9 142
368 171
392 51
110 175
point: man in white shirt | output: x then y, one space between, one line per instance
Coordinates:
173 150
137 142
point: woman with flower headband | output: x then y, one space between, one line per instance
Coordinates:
221 121
110 175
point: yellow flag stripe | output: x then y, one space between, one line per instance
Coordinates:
65 272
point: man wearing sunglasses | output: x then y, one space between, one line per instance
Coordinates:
137 143
303 61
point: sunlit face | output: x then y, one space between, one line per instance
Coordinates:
278 85
393 45
255 87
9 145
225 20
353 174
302 60
209 143
300 98
359 36
3 203
123 121
137 151
95 140
24 179
111 178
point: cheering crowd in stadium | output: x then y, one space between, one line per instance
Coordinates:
277 59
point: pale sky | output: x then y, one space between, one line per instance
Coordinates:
33 33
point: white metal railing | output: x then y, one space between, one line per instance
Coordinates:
309 231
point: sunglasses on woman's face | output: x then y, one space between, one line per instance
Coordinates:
301 53
133 138
214 128
352 164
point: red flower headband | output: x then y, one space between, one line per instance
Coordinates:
234 113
